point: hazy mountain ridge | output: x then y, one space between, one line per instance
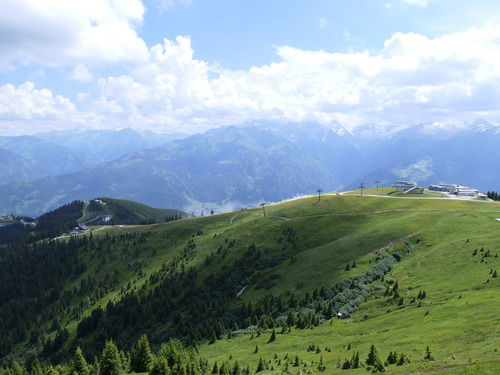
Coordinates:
241 166
61 152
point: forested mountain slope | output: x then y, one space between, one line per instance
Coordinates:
412 274
228 167
107 211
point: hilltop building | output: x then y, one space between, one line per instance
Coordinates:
415 190
408 187
82 228
458 190
441 187
403 185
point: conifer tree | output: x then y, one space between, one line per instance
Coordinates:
236 369
141 358
215 369
260 365
401 360
273 336
428 356
355 361
160 366
110 360
346 365
80 365
374 361
392 358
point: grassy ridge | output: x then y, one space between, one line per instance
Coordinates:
126 212
457 319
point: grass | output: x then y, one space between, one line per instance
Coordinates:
389 191
458 319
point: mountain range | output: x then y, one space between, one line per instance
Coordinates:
233 167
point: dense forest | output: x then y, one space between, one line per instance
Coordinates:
100 211
49 225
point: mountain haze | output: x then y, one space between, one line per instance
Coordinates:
240 166
233 166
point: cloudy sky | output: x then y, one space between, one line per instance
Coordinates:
188 65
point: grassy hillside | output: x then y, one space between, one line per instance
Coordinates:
123 211
196 279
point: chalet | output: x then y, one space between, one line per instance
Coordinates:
441 187
415 190
464 191
341 315
403 185
82 228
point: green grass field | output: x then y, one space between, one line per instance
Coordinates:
389 191
458 319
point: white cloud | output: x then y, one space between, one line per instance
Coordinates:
166 5
25 102
62 32
420 3
414 79
80 73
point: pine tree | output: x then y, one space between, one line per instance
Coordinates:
372 356
160 367
110 360
236 369
80 365
392 358
260 365
141 356
346 365
401 360
273 336
374 361
215 369
256 349
428 356
355 361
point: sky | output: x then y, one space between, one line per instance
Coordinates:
190 65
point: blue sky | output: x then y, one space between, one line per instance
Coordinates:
188 65
240 34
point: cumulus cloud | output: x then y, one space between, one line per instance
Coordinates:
454 78
25 109
81 73
412 79
420 3
61 32
25 102
166 5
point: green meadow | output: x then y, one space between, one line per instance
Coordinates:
450 253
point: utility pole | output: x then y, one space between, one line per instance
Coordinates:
263 205
319 191
361 187
377 182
